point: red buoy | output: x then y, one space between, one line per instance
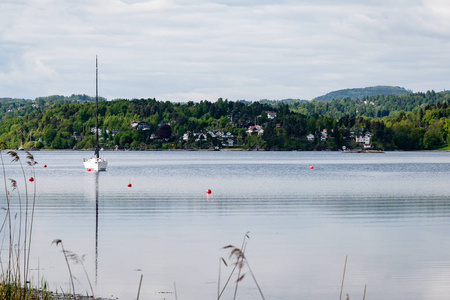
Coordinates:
31 179
45 166
129 185
88 170
208 191
312 167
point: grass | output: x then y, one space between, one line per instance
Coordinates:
240 263
17 230
445 148
16 238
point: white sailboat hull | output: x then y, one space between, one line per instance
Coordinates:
95 164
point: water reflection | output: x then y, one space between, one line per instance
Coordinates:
390 213
97 175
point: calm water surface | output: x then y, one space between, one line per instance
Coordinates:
390 213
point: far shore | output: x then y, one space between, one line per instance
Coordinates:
236 149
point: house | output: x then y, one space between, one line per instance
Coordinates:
99 130
200 137
255 129
324 135
310 137
364 140
139 125
77 136
143 126
228 143
271 114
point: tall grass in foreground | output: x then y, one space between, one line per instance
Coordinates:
16 232
240 264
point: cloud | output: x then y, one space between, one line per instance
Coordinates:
204 49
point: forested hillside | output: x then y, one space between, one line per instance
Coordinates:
376 106
359 93
152 124
20 107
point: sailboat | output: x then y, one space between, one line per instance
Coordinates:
96 163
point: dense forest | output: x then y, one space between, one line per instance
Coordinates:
377 106
364 92
408 122
20 107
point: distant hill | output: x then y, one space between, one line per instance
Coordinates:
18 107
364 92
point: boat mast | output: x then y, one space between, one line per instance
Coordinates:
96 108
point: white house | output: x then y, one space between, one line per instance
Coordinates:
324 135
310 137
364 139
200 137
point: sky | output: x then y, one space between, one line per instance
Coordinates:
193 50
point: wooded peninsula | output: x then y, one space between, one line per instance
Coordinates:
411 121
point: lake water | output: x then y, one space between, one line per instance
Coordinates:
389 213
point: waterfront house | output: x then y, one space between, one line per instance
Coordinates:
310 137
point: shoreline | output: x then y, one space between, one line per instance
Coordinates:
229 150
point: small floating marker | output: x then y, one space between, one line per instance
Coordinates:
208 191
31 179
312 167
88 170
129 185
45 166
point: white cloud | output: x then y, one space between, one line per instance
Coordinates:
204 49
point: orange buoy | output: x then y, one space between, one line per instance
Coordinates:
208 191
312 167
45 166
31 179
129 185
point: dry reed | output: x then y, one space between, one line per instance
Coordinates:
241 261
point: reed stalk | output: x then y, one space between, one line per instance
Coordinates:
343 276
175 290
236 265
221 260
16 230
254 279
241 261
31 162
139 289
57 242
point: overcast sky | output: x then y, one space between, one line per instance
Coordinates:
181 50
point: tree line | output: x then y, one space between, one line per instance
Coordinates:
69 125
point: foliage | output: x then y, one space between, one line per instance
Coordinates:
376 106
364 92
404 122
13 107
